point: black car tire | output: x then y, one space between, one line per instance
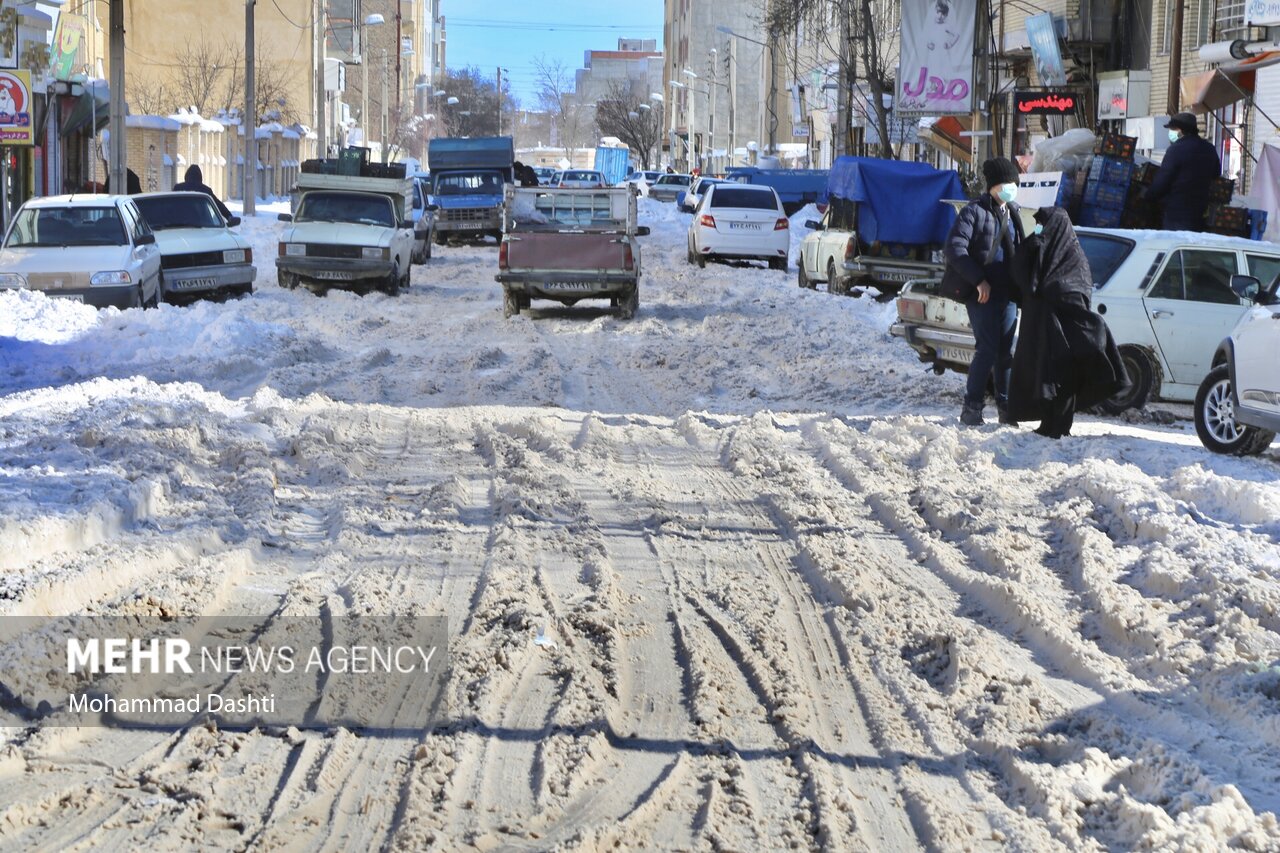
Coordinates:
778 264
630 304
835 284
802 277
510 303
1215 419
1141 377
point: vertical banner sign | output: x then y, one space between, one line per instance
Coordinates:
1044 50
69 52
15 108
935 74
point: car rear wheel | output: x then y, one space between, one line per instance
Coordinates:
1141 378
630 304
802 277
835 284
1215 416
510 303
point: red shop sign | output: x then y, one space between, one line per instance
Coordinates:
1044 103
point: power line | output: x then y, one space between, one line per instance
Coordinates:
287 18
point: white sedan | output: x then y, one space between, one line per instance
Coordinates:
95 249
740 221
199 253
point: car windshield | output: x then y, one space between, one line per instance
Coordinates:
1105 255
469 183
581 176
682 180
754 199
67 226
346 207
180 211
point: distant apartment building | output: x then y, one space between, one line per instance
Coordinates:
634 69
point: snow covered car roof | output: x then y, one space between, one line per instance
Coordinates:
1161 239
77 200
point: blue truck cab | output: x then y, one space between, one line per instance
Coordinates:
795 187
467 180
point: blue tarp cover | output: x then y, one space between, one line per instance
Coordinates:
898 202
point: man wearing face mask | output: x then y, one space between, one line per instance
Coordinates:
1185 173
979 252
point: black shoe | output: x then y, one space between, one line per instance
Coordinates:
1047 433
1007 419
971 415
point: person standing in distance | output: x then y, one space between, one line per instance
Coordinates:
979 252
1182 182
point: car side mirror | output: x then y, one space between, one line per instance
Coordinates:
1246 287
144 240
233 222
814 224
642 231
285 217
433 207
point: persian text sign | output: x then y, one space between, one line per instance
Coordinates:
1044 103
935 75
15 108
1262 13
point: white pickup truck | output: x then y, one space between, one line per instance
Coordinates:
349 232
570 244
1165 295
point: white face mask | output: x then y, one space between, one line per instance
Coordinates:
1174 135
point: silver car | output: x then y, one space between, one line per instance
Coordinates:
667 187
582 179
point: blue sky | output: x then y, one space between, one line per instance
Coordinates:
511 33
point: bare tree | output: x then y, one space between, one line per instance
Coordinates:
625 113
475 112
149 96
556 95
852 31
202 78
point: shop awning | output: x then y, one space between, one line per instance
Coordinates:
944 134
95 103
1224 85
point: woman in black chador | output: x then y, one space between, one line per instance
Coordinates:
1066 358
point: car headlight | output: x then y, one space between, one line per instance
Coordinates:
12 279
111 277
295 248
233 256
374 253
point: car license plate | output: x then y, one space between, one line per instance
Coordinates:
195 284
955 354
744 226
330 275
72 297
893 276
471 225
569 285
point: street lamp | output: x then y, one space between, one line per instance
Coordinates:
369 21
721 28
693 121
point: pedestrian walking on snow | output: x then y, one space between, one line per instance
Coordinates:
979 252
193 182
1066 358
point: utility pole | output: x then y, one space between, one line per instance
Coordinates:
118 174
1175 62
317 28
499 100
250 116
382 141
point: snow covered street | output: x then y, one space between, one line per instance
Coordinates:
726 576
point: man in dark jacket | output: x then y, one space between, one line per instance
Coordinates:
979 251
1066 357
1182 182
193 182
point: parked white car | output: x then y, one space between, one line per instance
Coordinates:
823 252
740 221
669 186
345 239
1166 296
95 249
582 179
640 180
1237 408
199 253
688 200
